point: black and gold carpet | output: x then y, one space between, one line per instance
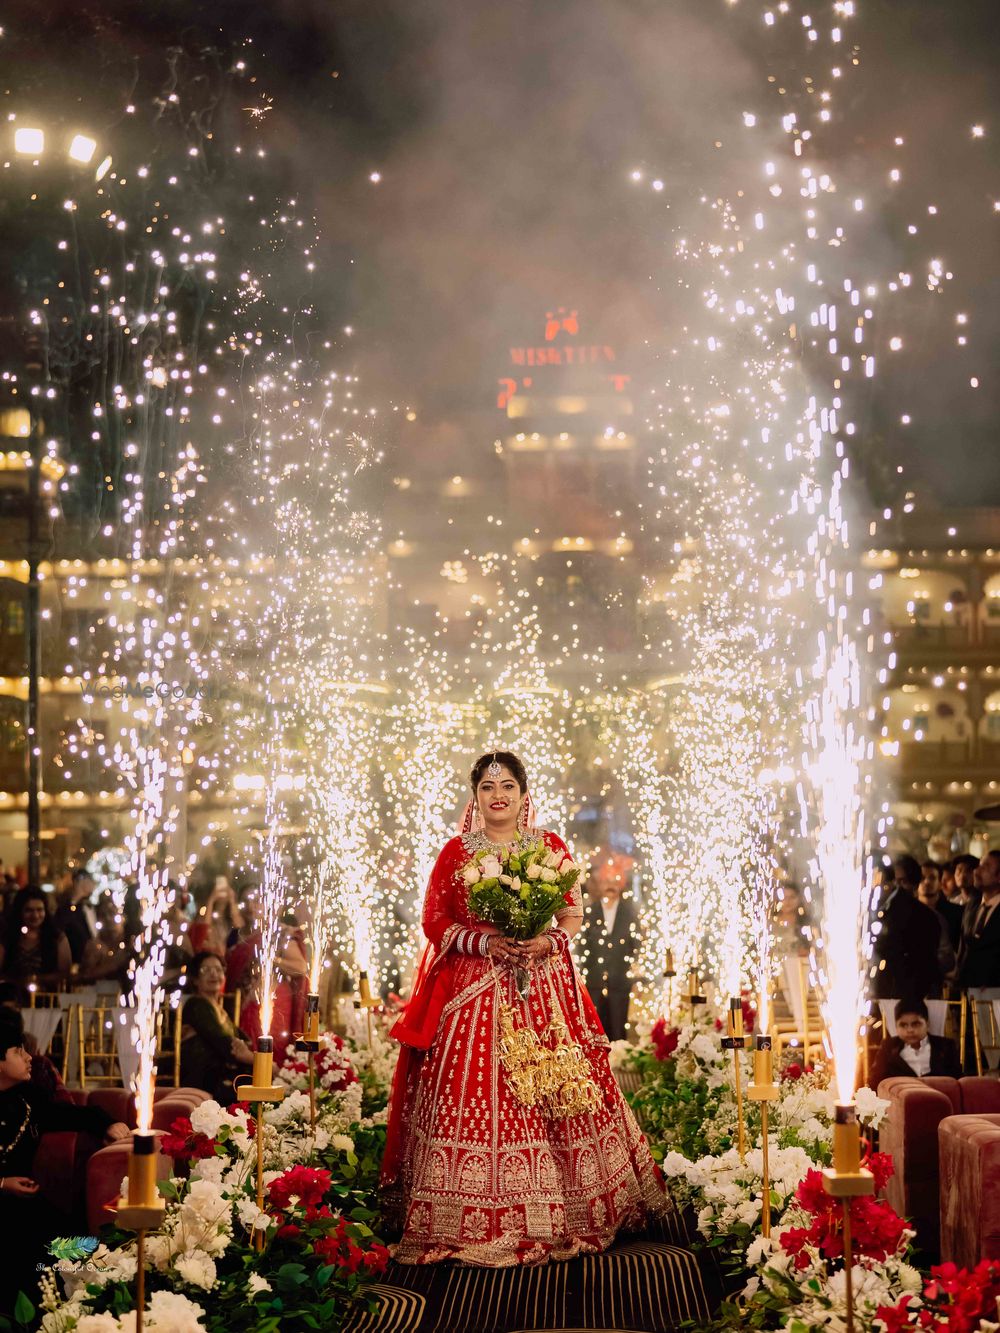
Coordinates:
650 1284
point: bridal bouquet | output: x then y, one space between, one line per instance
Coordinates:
519 889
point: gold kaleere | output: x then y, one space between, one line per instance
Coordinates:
554 1077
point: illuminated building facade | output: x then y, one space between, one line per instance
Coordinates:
940 601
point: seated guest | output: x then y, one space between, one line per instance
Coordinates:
76 918
33 950
44 1075
213 1050
219 922
25 1115
913 1052
106 956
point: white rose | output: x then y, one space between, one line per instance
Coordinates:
342 1143
553 858
196 1268
170 1312
471 874
491 867
515 884
256 1283
505 879
534 871
549 876
568 865
206 1118
97 1323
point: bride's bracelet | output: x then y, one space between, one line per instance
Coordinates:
474 942
559 938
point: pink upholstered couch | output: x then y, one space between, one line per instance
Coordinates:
910 1133
969 1147
78 1177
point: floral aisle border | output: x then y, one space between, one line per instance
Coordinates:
793 1281
321 1249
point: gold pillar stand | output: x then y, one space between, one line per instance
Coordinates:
365 1001
258 1092
735 1041
143 1210
308 1041
847 1179
763 1089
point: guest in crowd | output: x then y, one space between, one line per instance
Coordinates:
219 922
979 957
906 937
106 956
610 941
44 1075
791 923
33 950
177 936
913 1052
947 879
26 1113
291 970
213 1050
77 917
964 869
932 895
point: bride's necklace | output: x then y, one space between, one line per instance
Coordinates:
477 841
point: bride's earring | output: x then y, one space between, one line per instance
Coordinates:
475 814
522 811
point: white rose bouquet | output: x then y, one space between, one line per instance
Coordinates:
519 889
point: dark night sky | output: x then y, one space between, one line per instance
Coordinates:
505 134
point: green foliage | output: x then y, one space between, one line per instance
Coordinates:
681 1115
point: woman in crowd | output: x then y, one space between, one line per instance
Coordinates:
219 922
291 970
106 956
213 1050
26 1113
32 950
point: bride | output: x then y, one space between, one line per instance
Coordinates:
476 1170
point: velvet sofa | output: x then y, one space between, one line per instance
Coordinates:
969 1147
909 1132
78 1177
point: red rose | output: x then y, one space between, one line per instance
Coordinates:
791 1073
182 1144
664 1039
302 1186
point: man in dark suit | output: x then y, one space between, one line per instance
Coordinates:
610 941
931 895
77 918
906 938
979 959
913 1052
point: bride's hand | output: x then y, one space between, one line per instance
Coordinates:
532 952
502 950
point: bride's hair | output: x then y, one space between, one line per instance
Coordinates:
508 760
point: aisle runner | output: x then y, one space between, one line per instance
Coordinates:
649 1284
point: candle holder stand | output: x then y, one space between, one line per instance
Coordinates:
764 1090
142 1210
259 1091
308 1041
693 997
669 973
735 1041
365 1001
847 1179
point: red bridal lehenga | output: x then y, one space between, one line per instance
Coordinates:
475 1174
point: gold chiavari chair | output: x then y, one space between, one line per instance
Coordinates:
95 1035
985 1029
797 1018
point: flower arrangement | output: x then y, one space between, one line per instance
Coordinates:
332 1064
320 1252
519 889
